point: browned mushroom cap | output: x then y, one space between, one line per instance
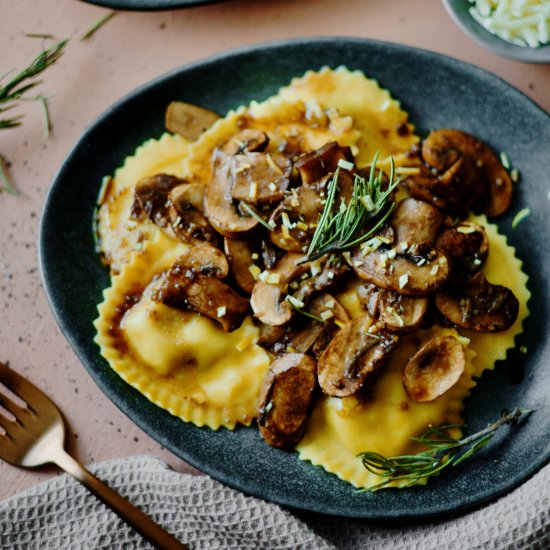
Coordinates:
248 140
478 305
219 208
260 178
286 399
315 165
151 194
294 221
354 358
423 186
193 282
268 296
434 369
242 254
185 205
443 148
416 221
415 271
466 245
398 313
188 120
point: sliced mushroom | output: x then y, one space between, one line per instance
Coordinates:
415 271
260 178
416 221
268 296
249 140
316 335
324 275
478 305
295 219
151 194
315 165
434 369
286 399
219 208
443 148
354 358
188 120
398 313
185 206
466 244
193 282
242 255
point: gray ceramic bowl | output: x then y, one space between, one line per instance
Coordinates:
458 10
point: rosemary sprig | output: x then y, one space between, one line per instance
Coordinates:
341 228
13 90
444 451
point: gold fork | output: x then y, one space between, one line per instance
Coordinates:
34 436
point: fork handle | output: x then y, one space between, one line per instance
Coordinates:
142 523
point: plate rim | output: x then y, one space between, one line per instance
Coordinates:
161 5
123 404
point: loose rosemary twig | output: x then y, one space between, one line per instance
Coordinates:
13 90
343 228
444 451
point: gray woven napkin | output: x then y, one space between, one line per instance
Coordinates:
61 514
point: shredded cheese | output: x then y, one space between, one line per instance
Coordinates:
521 22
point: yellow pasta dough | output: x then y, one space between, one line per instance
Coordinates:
179 360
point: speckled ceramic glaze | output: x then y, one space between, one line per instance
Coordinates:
459 11
438 92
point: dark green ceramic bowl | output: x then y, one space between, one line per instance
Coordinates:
438 92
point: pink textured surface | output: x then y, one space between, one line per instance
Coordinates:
129 51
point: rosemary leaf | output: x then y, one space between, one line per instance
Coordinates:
251 212
96 26
46 121
305 313
39 35
443 452
6 184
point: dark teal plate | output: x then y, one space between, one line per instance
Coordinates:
438 92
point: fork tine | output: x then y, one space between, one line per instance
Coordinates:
10 406
25 390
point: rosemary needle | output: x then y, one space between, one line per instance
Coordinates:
47 124
444 451
6 184
251 212
96 26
